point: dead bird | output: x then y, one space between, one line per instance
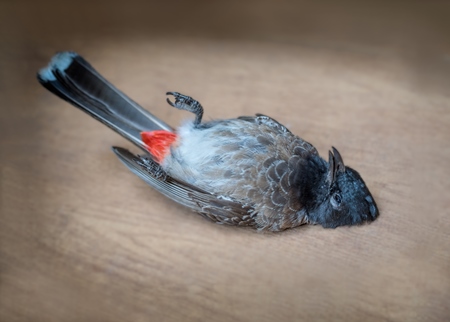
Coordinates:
248 171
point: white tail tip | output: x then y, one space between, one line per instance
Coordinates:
61 61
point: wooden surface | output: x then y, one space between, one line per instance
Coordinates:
82 239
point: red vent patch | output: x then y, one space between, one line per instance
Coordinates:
158 143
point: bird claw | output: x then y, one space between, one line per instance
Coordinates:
182 102
174 94
187 103
170 102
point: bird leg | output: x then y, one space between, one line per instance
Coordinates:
187 103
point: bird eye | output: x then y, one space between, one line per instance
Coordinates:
337 197
336 200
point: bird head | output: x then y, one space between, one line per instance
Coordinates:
345 198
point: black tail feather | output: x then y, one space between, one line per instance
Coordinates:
73 79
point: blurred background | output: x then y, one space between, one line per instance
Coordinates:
82 239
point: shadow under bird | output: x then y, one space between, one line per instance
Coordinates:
248 171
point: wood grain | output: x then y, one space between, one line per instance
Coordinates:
82 239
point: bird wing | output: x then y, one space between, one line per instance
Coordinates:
267 120
220 209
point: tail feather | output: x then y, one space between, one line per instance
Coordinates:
73 79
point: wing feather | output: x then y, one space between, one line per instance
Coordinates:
220 209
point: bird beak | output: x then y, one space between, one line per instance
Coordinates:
331 168
340 167
336 164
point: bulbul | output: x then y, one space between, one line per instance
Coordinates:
247 171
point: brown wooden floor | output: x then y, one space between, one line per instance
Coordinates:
82 239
